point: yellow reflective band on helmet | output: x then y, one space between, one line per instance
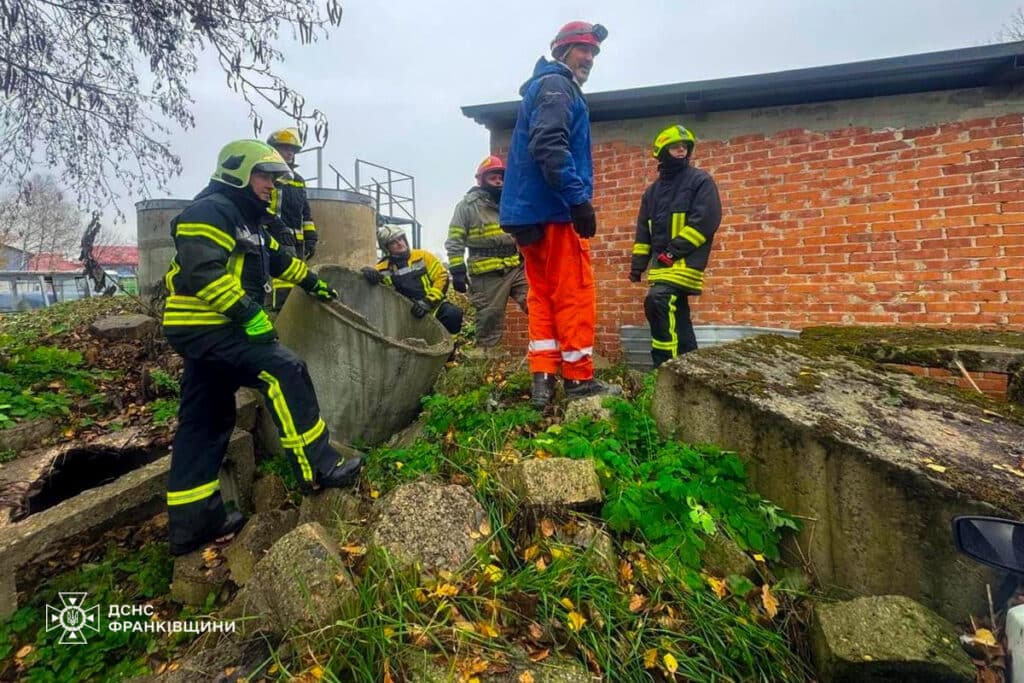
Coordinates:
215 235
641 249
193 495
307 437
284 416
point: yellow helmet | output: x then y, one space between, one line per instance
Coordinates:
238 159
672 135
286 137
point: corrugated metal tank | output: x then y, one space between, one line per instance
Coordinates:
346 225
156 246
369 358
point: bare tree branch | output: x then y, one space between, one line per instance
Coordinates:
1013 29
71 77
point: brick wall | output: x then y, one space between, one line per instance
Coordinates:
917 221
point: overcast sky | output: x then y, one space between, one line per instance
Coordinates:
393 75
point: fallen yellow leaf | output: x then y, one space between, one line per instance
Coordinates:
526 677
650 658
717 586
493 573
636 603
567 603
530 553
758 557
938 468
353 549
463 625
547 527
487 630
671 665
387 673
539 655
374 493
541 565
485 527
985 637
771 604
317 672
389 632
558 553
575 620
24 652
445 590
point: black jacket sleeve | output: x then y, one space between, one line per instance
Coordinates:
642 242
704 217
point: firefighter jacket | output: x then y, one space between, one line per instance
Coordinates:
549 166
475 226
291 207
224 260
679 214
421 277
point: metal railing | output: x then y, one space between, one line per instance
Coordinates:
394 193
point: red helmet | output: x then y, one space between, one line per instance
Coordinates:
491 163
579 32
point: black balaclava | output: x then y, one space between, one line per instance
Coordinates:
669 166
493 192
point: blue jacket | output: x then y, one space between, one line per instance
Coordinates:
549 167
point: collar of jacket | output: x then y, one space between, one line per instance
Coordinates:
479 194
546 67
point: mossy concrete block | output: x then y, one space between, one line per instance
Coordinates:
117 327
427 524
424 667
886 639
589 406
193 580
247 406
269 493
300 585
26 435
723 557
238 471
334 509
554 483
260 532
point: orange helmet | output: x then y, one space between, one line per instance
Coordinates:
491 163
579 32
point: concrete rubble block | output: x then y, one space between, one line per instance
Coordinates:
267 438
428 523
260 532
238 471
723 557
247 406
212 661
299 586
554 482
589 406
875 462
117 327
886 638
26 435
334 509
408 436
425 667
195 578
593 539
358 347
269 493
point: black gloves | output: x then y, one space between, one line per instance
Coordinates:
634 275
372 275
420 308
459 280
310 247
584 220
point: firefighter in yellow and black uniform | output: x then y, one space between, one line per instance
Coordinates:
215 320
416 274
679 214
291 219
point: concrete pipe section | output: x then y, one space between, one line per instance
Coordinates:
346 225
370 359
156 246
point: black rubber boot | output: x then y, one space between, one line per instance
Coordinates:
233 523
344 474
580 388
543 390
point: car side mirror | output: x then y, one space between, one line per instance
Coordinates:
992 541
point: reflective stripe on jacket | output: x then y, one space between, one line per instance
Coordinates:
422 278
474 226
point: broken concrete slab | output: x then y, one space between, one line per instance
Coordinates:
117 327
301 585
886 638
595 541
590 406
333 509
195 579
260 532
238 470
409 435
247 405
427 668
211 661
876 462
554 482
425 523
269 493
358 347
26 435
723 557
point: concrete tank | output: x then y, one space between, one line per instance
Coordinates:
369 358
346 225
156 246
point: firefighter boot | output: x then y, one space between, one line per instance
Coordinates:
344 473
233 522
579 388
543 390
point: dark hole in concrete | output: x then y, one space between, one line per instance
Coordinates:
81 469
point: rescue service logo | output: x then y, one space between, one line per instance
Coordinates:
73 619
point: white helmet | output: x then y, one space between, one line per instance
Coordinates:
386 234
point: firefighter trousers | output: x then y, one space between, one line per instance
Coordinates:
489 293
561 303
668 312
206 417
